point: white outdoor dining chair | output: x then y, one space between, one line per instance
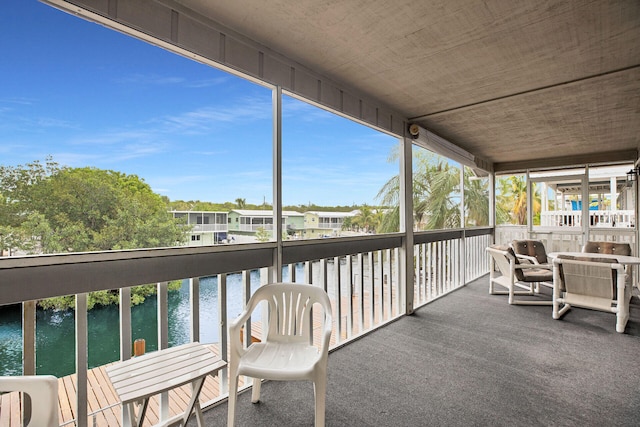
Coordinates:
287 353
613 248
43 392
519 279
597 284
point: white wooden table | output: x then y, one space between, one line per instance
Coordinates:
137 379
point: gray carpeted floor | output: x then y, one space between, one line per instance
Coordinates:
470 359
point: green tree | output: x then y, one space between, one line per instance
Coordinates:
476 199
262 235
436 187
366 220
92 209
51 209
241 203
511 200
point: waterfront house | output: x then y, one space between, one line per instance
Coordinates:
512 88
247 221
319 224
205 227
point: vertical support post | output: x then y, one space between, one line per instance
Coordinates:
126 340
124 310
163 338
529 188
29 338
338 297
277 180
585 207
82 345
349 275
246 294
361 292
461 254
382 272
372 293
308 278
194 301
28 347
223 331
492 205
406 223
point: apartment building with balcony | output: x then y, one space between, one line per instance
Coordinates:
204 227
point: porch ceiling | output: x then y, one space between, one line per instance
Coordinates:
510 81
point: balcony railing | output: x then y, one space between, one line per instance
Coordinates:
597 218
255 227
363 276
564 238
207 228
330 226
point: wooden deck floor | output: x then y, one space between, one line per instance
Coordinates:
103 403
104 406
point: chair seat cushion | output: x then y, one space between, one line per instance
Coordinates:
278 361
530 274
537 275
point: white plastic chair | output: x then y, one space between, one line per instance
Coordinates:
288 352
43 392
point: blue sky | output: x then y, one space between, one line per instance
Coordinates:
90 96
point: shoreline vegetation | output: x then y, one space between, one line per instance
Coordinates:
48 208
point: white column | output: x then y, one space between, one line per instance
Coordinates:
614 199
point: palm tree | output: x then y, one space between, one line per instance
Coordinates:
442 210
365 219
436 184
511 200
476 199
241 203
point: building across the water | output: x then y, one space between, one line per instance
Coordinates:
205 227
243 225
248 222
319 224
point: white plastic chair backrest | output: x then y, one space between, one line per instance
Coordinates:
290 310
43 392
595 279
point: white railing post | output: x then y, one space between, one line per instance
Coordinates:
338 297
82 346
124 311
194 313
163 338
223 331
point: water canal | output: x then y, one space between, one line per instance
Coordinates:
55 330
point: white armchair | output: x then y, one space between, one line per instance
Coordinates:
43 392
519 279
596 284
288 352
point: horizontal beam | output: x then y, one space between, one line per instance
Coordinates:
293 252
33 278
567 161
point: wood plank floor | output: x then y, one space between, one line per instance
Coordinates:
104 407
103 403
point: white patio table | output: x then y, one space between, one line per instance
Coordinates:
141 377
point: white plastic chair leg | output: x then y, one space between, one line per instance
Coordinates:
320 392
255 391
233 394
